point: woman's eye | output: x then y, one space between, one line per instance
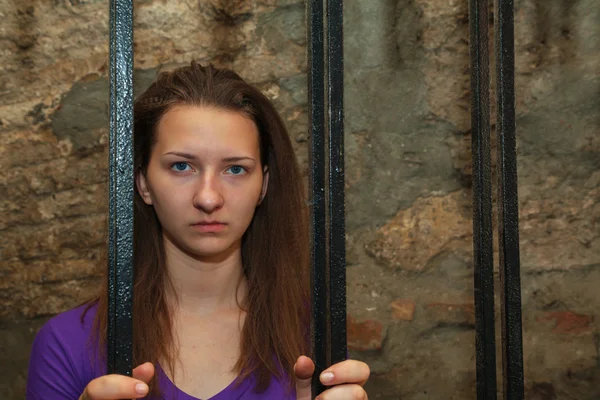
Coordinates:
236 170
180 166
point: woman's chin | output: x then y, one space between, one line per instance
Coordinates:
212 251
217 248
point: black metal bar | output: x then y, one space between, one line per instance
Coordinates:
337 238
316 93
121 181
508 207
483 260
111 202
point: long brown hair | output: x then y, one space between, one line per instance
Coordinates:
274 247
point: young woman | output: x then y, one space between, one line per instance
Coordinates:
221 296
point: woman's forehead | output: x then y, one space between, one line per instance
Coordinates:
202 129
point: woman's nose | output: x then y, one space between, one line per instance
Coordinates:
208 197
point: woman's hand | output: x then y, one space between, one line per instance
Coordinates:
348 376
114 387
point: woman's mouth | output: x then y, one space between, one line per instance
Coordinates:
211 227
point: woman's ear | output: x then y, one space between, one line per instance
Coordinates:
265 184
142 187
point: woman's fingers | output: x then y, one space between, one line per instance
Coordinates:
344 392
348 371
113 387
144 372
303 369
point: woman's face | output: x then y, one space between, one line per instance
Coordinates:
204 178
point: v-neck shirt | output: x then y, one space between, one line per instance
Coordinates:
60 366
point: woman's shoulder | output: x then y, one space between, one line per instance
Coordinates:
80 318
63 358
71 329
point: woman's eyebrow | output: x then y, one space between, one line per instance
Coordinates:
235 159
180 154
193 157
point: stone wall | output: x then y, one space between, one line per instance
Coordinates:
410 295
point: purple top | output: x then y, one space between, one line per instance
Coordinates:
60 366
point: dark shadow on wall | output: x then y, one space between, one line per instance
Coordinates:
225 19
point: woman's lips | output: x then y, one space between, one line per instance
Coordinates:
209 226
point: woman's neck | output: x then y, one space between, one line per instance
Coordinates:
204 286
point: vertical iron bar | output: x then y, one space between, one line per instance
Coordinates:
111 198
508 207
316 93
337 237
485 343
120 284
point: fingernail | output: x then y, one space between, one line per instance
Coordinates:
141 388
326 377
